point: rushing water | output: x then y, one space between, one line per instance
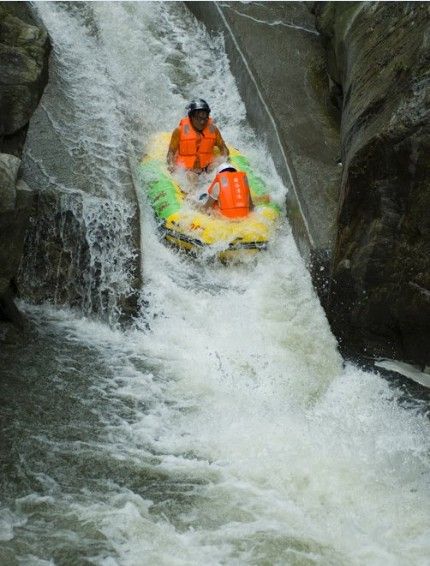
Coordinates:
222 428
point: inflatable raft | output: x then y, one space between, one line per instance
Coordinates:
186 227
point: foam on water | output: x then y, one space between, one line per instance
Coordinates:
226 429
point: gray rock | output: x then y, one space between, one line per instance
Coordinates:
8 309
24 195
379 58
17 66
9 165
13 226
24 51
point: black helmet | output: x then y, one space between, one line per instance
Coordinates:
198 104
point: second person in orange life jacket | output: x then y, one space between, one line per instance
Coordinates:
193 142
229 192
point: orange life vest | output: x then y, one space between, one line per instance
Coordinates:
234 199
193 144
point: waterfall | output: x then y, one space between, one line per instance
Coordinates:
82 248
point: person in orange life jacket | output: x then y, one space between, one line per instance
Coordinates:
229 191
193 142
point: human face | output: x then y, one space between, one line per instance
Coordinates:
199 119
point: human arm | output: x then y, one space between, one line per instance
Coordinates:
208 199
173 149
220 144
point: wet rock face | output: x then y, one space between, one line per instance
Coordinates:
24 52
67 254
379 60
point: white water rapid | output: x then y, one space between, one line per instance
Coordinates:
222 428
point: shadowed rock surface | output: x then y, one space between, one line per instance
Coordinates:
379 61
24 52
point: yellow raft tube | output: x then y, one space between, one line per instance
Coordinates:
189 229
